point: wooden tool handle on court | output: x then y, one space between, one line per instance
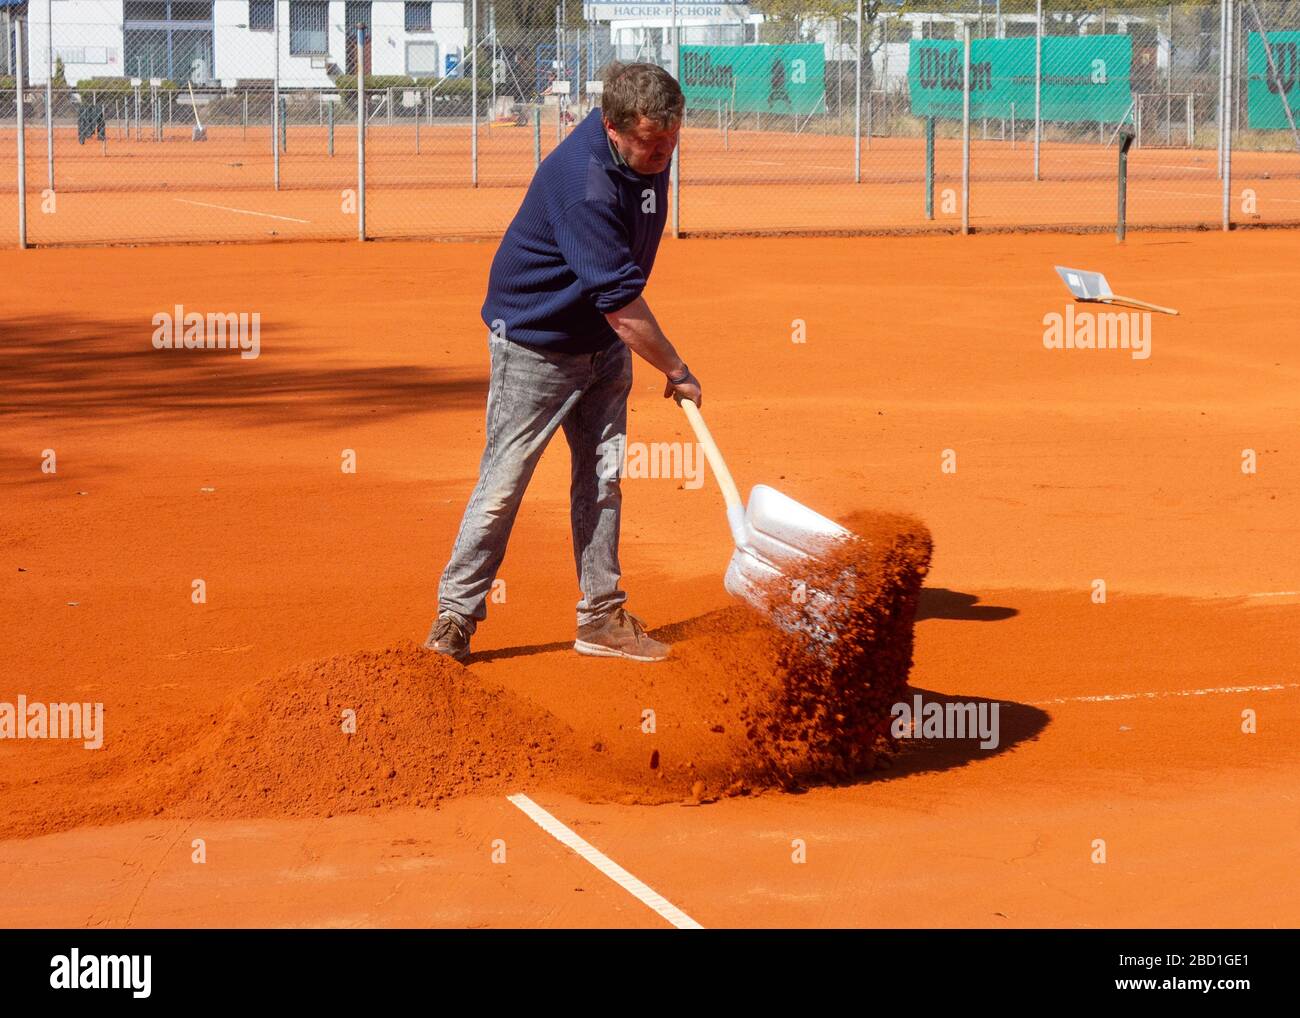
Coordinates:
730 493
1114 298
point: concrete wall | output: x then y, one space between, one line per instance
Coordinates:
88 35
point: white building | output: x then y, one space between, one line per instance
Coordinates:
226 41
643 31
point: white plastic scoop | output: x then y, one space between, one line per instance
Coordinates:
775 536
1092 286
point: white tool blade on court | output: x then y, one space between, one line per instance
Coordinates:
1084 284
775 566
776 537
780 546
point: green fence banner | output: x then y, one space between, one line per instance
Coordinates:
756 79
1085 78
1265 87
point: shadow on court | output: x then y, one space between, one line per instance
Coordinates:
60 368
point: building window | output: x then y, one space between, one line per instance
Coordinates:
134 10
422 58
167 10
938 30
419 16
309 28
168 39
191 10
261 15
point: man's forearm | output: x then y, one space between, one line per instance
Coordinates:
636 326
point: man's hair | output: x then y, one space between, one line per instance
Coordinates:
632 91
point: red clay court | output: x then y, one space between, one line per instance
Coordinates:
1124 721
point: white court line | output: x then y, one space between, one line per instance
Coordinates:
1277 593
606 865
1196 194
246 212
1109 697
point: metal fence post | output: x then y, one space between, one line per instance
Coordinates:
1038 89
22 135
492 30
1223 54
1238 79
1169 80
1121 212
677 149
1227 128
676 184
537 136
473 92
929 167
965 129
49 90
275 102
857 99
361 133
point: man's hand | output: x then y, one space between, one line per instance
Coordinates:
687 388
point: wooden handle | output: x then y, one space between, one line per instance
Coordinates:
1138 303
194 107
730 493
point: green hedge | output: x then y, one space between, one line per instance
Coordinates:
441 86
119 85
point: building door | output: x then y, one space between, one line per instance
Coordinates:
357 14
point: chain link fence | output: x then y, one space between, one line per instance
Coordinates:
215 120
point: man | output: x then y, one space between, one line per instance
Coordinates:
565 313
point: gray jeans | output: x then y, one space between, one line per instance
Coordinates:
532 392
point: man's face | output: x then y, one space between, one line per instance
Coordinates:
647 148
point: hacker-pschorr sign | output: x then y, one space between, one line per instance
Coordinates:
636 12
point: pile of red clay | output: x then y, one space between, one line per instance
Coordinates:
385 730
743 705
402 727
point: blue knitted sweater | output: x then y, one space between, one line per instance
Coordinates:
581 245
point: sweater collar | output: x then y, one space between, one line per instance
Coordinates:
619 162
613 151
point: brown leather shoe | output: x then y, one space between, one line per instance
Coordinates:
449 636
619 634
